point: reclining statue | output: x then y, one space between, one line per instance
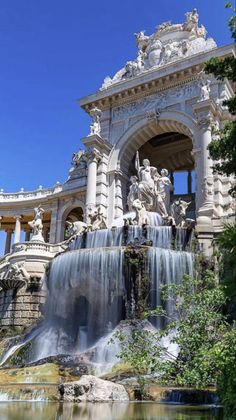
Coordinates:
76 228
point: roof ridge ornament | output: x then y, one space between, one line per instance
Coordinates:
169 43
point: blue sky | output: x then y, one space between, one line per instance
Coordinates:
55 51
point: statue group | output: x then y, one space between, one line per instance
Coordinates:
150 188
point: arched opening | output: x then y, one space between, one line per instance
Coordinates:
172 130
75 215
172 151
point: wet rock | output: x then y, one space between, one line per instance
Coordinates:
76 365
47 373
92 389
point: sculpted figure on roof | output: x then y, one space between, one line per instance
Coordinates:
170 42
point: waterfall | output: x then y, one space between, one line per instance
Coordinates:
161 236
166 267
85 299
99 239
89 292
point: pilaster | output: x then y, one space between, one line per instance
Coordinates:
205 112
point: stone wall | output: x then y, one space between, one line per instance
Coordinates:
22 307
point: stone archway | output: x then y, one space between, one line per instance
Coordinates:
69 212
134 139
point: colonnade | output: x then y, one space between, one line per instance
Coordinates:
14 234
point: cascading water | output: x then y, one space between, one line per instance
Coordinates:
85 290
91 290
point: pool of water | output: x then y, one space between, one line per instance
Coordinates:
116 411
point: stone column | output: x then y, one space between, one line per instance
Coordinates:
27 235
111 198
118 194
189 182
17 229
97 189
53 222
92 157
45 233
8 241
205 112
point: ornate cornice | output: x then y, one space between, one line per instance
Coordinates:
153 81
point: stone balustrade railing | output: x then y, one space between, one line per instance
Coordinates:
36 248
30 195
32 246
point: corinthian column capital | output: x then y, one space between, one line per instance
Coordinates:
92 155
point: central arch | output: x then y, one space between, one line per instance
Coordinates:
140 133
143 130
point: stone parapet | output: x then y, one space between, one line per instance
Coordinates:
30 195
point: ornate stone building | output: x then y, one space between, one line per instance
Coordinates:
160 104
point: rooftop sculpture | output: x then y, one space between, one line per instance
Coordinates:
170 42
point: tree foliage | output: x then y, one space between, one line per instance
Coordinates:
227 246
223 149
225 354
195 326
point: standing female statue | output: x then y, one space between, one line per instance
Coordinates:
165 187
147 177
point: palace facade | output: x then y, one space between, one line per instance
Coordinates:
162 105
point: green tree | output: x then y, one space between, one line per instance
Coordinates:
226 243
223 149
195 325
225 354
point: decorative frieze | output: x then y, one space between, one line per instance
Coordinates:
157 101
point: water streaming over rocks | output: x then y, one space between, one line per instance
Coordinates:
90 286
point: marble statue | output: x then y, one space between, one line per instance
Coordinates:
37 225
146 187
95 127
150 188
164 25
168 43
191 23
141 216
96 220
141 40
205 90
79 165
133 192
76 228
160 207
178 212
76 157
154 53
165 188
17 271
